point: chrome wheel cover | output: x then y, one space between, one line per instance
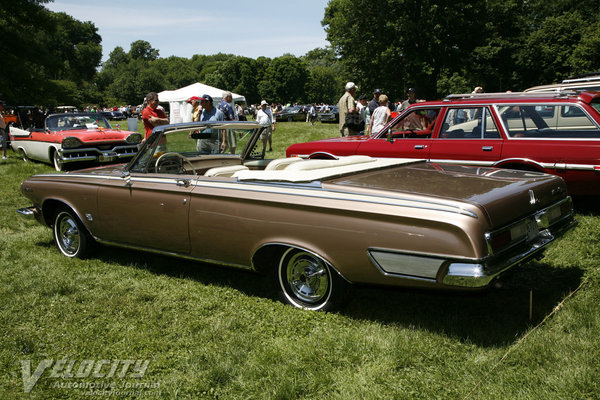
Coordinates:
67 234
57 163
307 277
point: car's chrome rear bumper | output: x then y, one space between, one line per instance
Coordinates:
468 272
481 274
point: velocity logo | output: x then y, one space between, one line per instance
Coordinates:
68 369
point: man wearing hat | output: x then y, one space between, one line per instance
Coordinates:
209 113
346 105
197 110
374 103
264 118
412 98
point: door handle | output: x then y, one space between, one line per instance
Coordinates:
487 148
420 146
183 182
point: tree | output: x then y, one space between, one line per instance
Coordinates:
284 80
24 28
436 45
77 45
564 45
397 44
46 56
323 85
142 50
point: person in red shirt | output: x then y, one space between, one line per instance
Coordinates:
152 115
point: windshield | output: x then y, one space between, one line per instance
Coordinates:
67 121
415 123
175 150
596 104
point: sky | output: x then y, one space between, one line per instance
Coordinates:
184 27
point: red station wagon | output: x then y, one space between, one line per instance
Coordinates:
556 133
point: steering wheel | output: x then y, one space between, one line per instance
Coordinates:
162 156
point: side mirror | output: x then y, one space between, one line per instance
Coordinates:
389 137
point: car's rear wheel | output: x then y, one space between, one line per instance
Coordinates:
308 282
70 236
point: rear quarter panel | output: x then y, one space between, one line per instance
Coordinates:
235 223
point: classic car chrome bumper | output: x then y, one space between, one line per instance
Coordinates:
28 212
94 154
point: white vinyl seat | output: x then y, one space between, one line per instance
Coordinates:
308 165
228 170
281 163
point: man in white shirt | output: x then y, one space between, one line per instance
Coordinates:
265 118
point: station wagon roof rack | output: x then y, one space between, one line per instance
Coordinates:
553 94
595 76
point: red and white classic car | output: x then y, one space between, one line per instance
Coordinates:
556 133
74 138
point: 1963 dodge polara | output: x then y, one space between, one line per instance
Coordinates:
318 226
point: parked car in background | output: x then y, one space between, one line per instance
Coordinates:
69 138
318 226
66 109
587 82
331 114
113 115
294 113
557 133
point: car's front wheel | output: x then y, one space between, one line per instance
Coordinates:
307 281
58 165
70 236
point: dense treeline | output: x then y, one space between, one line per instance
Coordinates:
442 46
436 46
126 76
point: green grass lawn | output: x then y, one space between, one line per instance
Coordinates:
216 333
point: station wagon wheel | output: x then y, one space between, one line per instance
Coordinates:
70 236
307 281
163 157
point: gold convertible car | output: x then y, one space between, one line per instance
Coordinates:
317 225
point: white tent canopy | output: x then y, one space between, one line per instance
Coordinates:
180 110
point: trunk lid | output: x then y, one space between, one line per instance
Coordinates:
503 195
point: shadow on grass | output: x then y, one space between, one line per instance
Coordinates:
491 317
588 205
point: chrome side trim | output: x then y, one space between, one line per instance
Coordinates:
337 195
173 254
304 191
542 165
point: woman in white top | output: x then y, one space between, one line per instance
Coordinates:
381 115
